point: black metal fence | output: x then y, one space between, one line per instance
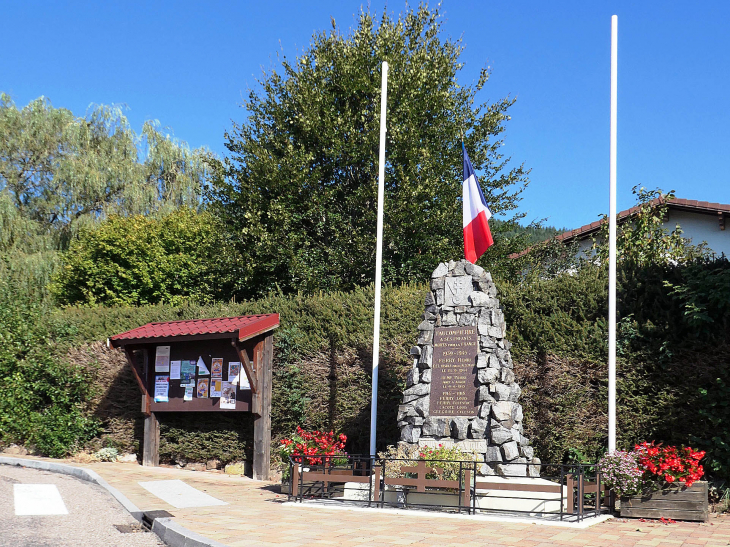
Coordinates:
559 491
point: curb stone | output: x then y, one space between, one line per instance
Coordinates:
166 529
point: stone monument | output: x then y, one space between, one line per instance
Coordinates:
462 390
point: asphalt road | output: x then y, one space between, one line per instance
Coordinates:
90 520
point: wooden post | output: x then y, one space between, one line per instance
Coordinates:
295 480
263 358
376 484
151 447
569 485
467 491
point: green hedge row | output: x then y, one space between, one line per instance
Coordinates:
321 368
673 364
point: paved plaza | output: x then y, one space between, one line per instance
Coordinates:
255 514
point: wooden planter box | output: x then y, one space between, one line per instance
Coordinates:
679 503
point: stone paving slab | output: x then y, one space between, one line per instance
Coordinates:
257 515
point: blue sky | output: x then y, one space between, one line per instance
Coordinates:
188 65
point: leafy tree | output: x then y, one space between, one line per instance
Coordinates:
63 172
299 189
141 260
643 239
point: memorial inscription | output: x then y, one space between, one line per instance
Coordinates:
454 373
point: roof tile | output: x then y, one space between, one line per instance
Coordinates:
190 327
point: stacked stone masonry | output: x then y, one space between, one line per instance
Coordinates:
463 294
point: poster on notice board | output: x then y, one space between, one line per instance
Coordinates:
162 359
162 388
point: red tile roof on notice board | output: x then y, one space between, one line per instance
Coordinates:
243 327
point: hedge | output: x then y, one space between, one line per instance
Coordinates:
672 366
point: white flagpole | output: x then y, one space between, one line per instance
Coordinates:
378 259
612 245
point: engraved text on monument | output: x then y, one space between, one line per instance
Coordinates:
453 375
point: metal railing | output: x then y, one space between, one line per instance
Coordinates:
561 491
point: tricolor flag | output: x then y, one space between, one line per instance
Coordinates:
477 237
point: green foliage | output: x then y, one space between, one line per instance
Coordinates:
643 240
449 458
532 234
43 401
27 255
299 187
64 172
306 392
60 174
108 454
186 437
667 368
714 423
396 452
702 292
564 315
141 260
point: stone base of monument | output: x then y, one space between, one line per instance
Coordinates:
356 491
519 499
516 499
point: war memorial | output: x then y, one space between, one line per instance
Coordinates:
462 388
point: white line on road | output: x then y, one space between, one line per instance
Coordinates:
38 499
180 495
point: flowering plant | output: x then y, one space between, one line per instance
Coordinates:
444 457
447 458
649 466
669 463
620 471
313 448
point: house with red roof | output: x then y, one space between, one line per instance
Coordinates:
700 221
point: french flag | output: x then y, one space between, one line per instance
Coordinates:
477 237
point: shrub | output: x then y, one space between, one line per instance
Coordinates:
144 260
194 437
668 362
620 472
107 454
312 448
43 398
393 454
446 458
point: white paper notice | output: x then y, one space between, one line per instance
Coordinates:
188 392
162 388
202 369
162 359
228 396
175 370
234 369
243 380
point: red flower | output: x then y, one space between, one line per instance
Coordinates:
669 463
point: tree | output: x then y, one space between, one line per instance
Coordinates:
142 260
63 172
643 239
299 188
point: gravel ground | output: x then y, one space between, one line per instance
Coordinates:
92 514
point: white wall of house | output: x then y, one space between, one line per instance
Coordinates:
701 227
585 248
